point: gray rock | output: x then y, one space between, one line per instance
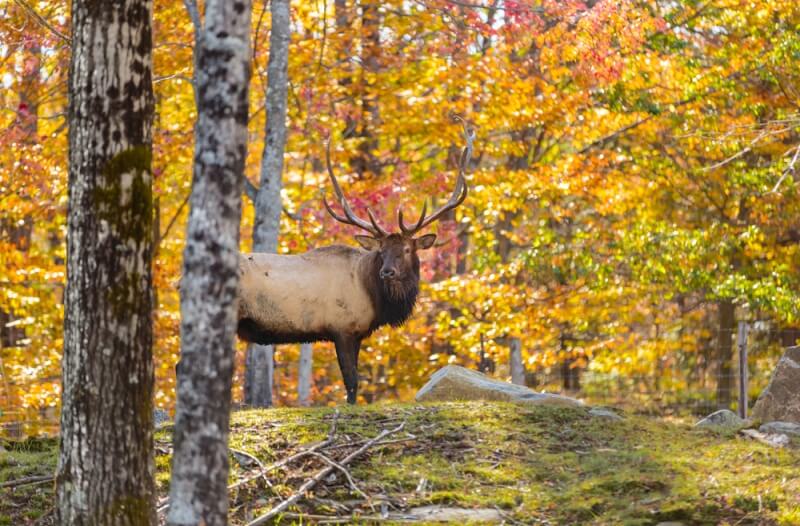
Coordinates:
160 417
452 383
785 428
444 514
670 523
604 413
780 401
723 418
774 440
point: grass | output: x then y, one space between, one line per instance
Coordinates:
537 465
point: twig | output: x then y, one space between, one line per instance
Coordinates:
334 519
164 506
789 169
38 479
347 474
42 21
257 462
310 483
174 218
383 443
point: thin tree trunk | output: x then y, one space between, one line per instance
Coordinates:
304 374
259 376
516 363
210 278
727 322
105 466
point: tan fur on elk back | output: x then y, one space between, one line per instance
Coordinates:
316 292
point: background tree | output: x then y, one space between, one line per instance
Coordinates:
198 493
617 141
259 363
105 467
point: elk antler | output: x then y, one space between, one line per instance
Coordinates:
459 192
350 218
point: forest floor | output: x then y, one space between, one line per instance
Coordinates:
526 465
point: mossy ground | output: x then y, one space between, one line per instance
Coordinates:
537 465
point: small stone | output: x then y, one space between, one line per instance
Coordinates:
452 383
670 523
723 418
444 514
785 428
604 413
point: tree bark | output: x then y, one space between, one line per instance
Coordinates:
727 322
304 376
515 360
210 278
259 374
105 467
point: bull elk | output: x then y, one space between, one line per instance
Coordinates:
340 293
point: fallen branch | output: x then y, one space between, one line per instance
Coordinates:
39 479
262 472
347 475
382 443
336 519
310 483
256 461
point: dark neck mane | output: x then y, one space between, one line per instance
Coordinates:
389 308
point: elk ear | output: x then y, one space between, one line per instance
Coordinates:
368 242
426 241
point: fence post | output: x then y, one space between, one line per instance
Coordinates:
742 344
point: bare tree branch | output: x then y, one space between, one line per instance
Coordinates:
42 21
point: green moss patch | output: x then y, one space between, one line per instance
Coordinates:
534 464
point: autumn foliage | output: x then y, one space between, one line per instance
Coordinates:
634 180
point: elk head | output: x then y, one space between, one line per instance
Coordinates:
398 250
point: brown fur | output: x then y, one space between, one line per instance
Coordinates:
333 294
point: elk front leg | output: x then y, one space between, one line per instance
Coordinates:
347 348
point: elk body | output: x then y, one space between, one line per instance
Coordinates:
338 293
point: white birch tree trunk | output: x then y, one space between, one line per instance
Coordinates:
304 374
515 361
105 466
259 374
198 493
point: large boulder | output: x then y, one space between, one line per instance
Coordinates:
451 383
780 401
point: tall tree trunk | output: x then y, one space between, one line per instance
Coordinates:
727 322
366 162
260 358
198 493
304 376
105 466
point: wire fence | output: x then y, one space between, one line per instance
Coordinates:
724 373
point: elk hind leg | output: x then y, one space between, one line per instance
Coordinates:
347 348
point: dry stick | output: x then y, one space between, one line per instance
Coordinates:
349 477
337 519
164 506
310 483
257 462
38 479
359 442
